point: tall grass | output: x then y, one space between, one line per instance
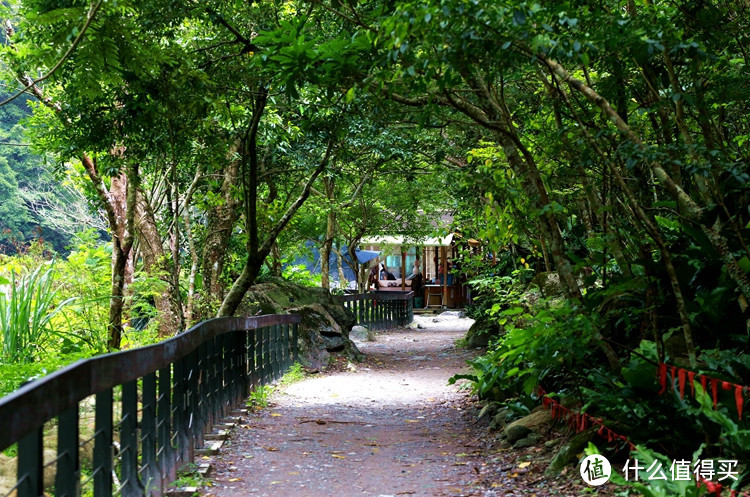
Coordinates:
26 315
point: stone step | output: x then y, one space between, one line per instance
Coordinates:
211 449
182 492
218 435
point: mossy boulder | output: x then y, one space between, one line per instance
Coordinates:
549 284
536 421
325 325
482 331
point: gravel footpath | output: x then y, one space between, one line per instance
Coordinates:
386 427
390 425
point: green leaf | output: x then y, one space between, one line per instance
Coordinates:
519 17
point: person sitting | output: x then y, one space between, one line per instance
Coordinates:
386 275
372 280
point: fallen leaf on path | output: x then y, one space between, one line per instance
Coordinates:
411 420
338 456
271 449
524 464
234 479
275 415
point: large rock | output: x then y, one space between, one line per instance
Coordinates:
515 432
362 334
325 324
482 331
520 428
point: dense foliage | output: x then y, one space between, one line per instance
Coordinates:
599 151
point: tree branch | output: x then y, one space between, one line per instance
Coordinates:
30 83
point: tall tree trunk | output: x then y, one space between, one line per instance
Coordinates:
157 262
325 249
220 221
692 209
193 269
493 114
120 209
119 204
651 229
257 252
611 238
254 260
343 282
525 168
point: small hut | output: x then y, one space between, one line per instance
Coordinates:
435 259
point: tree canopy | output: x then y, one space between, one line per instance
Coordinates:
604 143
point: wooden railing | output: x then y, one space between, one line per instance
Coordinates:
168 396
380 310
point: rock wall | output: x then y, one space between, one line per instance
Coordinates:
325 325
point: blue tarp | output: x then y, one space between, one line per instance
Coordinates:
313 264
366 255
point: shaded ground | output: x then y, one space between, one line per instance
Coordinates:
388 426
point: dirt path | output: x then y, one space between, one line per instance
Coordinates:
389 426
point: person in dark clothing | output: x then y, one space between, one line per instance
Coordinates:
416 284
372 280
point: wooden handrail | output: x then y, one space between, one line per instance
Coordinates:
39 401
200 373
380 310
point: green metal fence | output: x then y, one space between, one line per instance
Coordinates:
380 310
152 406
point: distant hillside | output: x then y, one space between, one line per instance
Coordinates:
23 177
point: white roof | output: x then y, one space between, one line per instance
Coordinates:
402 240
